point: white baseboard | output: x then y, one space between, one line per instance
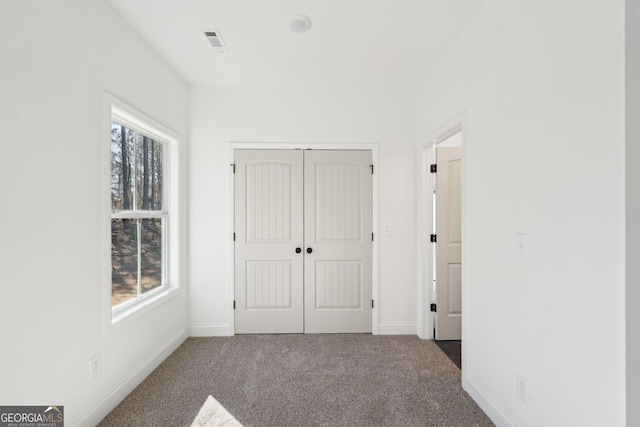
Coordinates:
210 330
223 329
493 410
396 329
100 410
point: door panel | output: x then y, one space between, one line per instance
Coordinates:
337 192
269 208
268 284
449 243
338 284
338 227
269 227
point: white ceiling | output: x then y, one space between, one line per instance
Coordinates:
352 42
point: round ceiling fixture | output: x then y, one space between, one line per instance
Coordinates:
299 23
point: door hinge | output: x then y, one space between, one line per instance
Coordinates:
234 237
434 168
234 304
372 237
233 165
371 169
434 308
372 305
433 238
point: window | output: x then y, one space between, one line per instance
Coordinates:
140 214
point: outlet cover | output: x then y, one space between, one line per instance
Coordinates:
95 365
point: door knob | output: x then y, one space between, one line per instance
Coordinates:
309 250
298 250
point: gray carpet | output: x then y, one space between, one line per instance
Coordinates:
304 380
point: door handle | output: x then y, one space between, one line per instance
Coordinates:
298 250
309 250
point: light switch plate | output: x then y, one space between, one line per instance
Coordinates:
521 244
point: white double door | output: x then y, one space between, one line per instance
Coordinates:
303 228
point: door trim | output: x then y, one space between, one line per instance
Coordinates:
425 215
235 145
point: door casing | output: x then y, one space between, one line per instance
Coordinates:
302 146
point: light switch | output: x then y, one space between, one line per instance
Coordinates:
522 244
388 231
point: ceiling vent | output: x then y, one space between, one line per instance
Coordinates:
216 41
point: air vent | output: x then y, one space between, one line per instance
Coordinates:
216 41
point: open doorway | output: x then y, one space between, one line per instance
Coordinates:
442 229
446 240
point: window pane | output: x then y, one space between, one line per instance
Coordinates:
121 167
148 173
151 254
157 175
124 260
138 230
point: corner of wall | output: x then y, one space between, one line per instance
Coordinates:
632 208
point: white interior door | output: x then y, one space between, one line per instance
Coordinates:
303 224
338 234
269 229
449 243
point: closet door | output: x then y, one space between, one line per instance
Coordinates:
269 241
338 235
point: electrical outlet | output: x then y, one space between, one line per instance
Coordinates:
95 365
522 388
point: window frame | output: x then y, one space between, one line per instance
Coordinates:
129 117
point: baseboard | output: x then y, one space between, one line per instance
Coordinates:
100 410
491 408
223 329
209 330
396 329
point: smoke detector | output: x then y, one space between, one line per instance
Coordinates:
299 23
216 41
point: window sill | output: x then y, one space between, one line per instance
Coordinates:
142 307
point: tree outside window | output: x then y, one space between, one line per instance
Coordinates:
138 214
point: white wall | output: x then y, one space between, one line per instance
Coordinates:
633 209
219 116
58 59
543 87
542 84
